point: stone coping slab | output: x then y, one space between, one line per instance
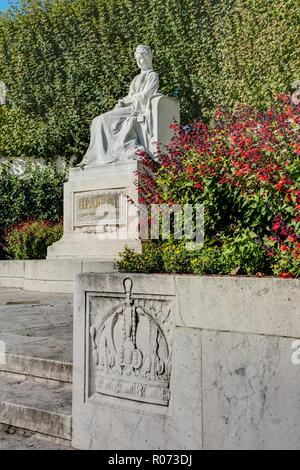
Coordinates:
265 305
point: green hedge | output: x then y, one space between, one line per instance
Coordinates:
66 61
36 194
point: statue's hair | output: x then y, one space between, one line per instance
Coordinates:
146 49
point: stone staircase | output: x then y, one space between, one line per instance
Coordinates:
36 379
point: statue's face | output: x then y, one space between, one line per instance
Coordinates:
143 60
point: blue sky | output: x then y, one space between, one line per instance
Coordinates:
3 4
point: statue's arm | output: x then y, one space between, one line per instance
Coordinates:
128 99
151 87
141 98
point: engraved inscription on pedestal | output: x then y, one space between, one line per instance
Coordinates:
100 208
130 346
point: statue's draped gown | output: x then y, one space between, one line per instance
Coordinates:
117 134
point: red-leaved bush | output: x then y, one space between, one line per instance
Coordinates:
30 239
245 168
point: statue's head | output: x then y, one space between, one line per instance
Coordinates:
143 55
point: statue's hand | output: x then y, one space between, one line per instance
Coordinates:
120 104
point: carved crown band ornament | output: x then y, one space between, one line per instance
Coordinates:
132 352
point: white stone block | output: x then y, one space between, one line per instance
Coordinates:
130 406
250 391
231 383
253 305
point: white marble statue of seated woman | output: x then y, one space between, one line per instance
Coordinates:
118 134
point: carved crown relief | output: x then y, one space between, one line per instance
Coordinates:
131 349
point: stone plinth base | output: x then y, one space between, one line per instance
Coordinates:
100 215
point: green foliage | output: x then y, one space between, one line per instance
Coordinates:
149 261
36 193
240 255
244 253
30 240
65 61
208 261
244 168
285 258
176 258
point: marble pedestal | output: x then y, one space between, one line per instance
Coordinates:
100 212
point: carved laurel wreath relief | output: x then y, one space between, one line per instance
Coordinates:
130 346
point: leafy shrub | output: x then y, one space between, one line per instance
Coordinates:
284 248
30 240
241 255
36 193
244 253
245 168
176 258
66 61
209 261
149 261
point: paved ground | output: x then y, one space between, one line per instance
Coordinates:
30 393
36 325
12 440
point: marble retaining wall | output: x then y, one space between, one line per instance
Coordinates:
56 276
186 362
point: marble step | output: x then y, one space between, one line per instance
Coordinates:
41 407
12 438
37 367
